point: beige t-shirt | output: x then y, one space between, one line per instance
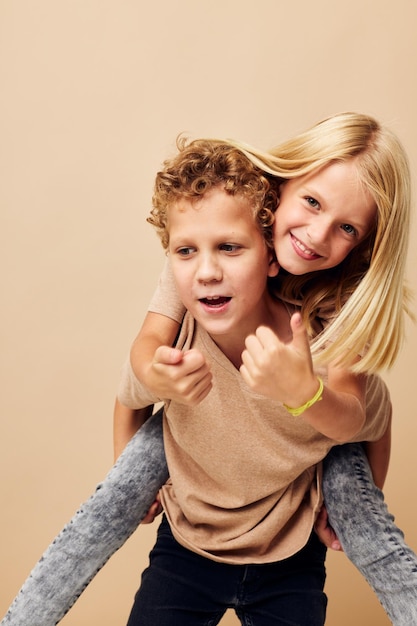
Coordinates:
245 475
166 300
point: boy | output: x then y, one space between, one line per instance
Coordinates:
244 472
243 491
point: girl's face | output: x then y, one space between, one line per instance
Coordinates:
321 217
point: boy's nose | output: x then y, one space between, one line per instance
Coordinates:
209 270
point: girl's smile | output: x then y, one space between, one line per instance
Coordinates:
302 250
321 217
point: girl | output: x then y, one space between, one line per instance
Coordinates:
346 293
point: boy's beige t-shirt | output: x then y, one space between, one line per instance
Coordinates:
245 475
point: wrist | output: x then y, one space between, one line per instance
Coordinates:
316 397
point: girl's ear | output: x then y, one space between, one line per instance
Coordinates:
273 268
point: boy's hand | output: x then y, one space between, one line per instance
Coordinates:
280 371
154 511
325 532
184 377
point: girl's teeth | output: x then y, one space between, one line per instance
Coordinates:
303 248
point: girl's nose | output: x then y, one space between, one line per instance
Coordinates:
318 231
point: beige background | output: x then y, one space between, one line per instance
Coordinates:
93 94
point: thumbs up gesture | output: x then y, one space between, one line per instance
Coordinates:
277 370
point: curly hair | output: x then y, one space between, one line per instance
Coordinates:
204 164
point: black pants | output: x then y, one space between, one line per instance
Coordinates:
181 588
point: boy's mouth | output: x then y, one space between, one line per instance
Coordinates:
215 301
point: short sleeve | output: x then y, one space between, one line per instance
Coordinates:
378 410
131 392
166 300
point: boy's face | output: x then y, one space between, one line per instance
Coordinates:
321 217
220 262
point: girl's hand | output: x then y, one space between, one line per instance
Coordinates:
277 370
184 377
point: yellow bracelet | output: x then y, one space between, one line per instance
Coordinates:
316 398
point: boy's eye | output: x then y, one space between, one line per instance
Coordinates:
184 251
312 202
349 229
230 247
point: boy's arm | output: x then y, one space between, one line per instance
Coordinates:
125 424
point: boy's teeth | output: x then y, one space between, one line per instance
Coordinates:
215 299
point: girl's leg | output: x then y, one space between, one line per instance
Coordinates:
366 530
97 530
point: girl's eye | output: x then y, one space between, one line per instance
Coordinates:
312 202
349 229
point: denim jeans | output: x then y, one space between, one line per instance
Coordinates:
99 528
114 511
375 545
181 588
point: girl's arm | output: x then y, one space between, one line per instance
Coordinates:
157 330
340 414
168 372
284 372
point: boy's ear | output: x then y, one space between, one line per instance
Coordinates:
273 268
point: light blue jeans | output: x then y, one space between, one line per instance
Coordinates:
97 530
100 527
375 545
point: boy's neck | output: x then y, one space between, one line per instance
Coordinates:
275 315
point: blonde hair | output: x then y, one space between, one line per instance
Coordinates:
204 164
367 291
